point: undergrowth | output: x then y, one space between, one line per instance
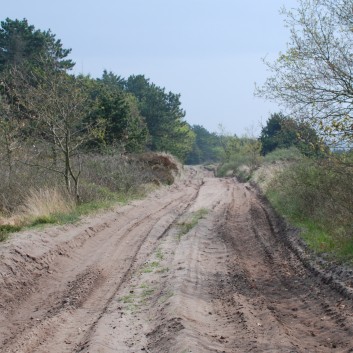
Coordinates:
283 154
6 229
316 196
34 197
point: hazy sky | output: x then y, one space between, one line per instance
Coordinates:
209 51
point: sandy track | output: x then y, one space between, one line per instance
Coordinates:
130 281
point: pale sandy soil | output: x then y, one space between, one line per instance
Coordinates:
129 281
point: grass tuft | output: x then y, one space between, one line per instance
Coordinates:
150 267
187 225
6 229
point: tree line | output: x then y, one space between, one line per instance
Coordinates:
49 117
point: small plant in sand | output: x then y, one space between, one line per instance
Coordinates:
190 223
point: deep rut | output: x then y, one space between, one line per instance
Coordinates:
280 305
132 281
69 299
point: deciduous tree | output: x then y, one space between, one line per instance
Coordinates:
58 104
313 79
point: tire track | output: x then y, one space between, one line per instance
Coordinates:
67 308
232 284
282 307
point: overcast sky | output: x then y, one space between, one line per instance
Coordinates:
209 51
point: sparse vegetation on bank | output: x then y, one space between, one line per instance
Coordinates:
105 181
306 183
71 144
312 79
316 196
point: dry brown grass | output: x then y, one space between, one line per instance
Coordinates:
37 196
44 202
164 166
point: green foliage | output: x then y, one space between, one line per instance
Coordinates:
118 115
21 42
206 148
178 141
284 132
316 196
191 222
313 77
127 114
242 157
283 154
163 115
237 167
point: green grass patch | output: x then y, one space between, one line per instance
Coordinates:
324 241
345 252
127 299
130 301
50 219
159 254
150 267
147 292
190 223
319 235
6 229
316 236
283 154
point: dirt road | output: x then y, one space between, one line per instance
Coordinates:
200 266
